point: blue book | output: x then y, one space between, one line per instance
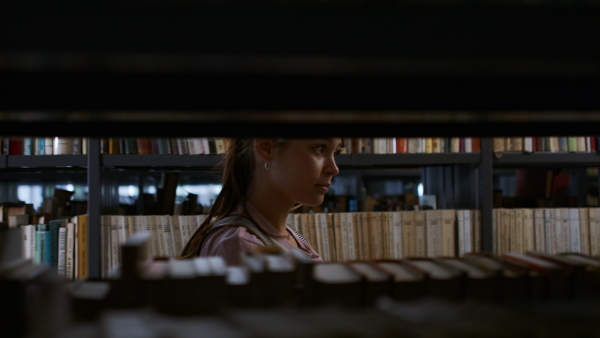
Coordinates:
53 226
39 256
40 147
48 248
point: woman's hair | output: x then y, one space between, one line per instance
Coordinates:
238 168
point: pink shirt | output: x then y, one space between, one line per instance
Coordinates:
230 241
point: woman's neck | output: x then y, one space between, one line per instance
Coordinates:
273 211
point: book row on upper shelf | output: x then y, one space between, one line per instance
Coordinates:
552 144
44 145
351 145
367 145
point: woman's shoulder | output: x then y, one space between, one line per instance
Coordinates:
231 232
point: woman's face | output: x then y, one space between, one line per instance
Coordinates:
302 170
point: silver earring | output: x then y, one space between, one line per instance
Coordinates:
267 165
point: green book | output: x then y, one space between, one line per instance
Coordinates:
53 227
39 255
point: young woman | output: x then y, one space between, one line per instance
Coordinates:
263 180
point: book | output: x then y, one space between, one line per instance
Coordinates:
554 279
408 283
575 272
70 250
81 223
448 232
63 146
433 233
336 284
407 218
514 283
444 281
377 282
420 234
480 284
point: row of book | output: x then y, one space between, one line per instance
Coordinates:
410 145
351 145
279 278
548 230
169 233
29 145
552 144
62 244
391 234
162 145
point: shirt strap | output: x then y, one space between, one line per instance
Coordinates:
246 223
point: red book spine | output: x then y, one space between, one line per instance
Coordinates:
14 146
476 144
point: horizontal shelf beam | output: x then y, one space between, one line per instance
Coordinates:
548 159
204 161
46 161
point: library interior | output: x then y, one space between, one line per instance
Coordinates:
467 202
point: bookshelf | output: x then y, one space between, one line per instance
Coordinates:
459 180
453 82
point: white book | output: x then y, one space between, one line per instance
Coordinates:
115 244
129 225
167 236
528 144
397 247
62 251
448 232
121 228
528 230
549 229
145 223
574 231
584 225
594 218
157 240
343 235
49 146
321 219
468 144
28 237
420 234
184 227
433 233
195 146
455 144
460 224
350 233
565 243
538 225
63 146
70 252
176 233
392 145
517 234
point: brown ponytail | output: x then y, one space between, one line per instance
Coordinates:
238 167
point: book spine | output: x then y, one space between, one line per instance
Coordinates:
62 251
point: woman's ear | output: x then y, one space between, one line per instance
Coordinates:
263 148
